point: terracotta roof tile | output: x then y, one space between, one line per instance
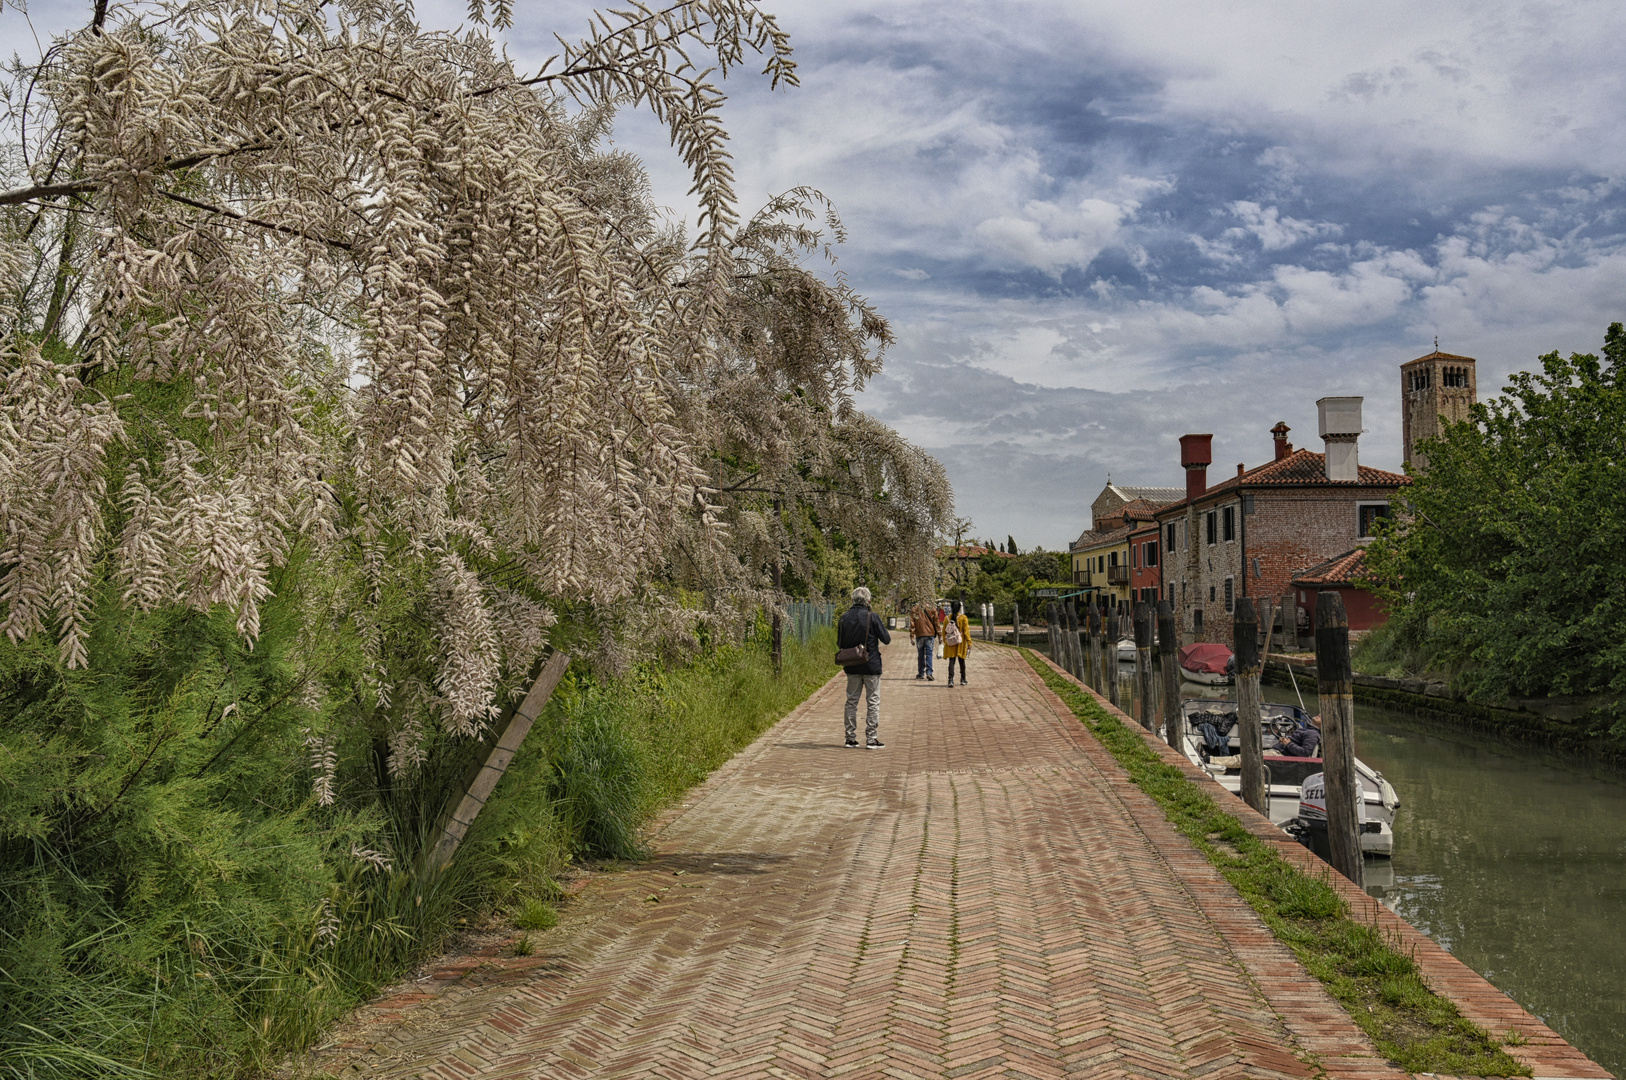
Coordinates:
1346 569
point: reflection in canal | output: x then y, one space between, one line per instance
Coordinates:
1512 859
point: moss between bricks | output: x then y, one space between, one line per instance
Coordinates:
1365 972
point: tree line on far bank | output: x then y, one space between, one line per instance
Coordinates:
1506 567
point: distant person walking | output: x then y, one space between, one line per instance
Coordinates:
956 641
861 626
924 626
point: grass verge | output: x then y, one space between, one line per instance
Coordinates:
1365 971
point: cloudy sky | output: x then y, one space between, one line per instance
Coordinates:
1096 226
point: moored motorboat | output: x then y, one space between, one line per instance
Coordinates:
1285 775
1126 648
1207 662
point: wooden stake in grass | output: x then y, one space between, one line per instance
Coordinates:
1254 790
1144 704
1337 689
1169 660
477 791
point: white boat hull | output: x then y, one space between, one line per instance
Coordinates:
1207 678
1377 793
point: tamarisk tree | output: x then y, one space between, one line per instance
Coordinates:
300 275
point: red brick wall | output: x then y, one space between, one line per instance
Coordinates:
1364 610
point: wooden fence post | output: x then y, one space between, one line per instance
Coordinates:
1255 791
1051 637
1336 686
477 790
1169 660
1145 710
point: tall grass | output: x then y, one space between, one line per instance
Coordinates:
173 901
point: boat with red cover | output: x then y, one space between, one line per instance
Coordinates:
1208 662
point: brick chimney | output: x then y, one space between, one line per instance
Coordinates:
1279 433
1341 431
1196 454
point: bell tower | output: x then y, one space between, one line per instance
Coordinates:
1435 390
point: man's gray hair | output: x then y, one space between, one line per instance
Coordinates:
860 595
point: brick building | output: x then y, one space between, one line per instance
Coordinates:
1435 389
1145 542
1252 533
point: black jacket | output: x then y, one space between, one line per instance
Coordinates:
862 626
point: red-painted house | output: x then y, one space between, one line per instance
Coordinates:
1346 574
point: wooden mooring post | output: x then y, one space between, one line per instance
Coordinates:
1255 791
1168 658
1336 686
482 781
1098 633
1073 643
1145 695
1052 638
1111 656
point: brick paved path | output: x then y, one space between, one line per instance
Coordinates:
989 896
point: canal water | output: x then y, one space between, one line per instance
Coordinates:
1511 858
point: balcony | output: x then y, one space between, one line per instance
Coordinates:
1081 577
1118 575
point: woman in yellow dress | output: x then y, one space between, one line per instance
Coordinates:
957 621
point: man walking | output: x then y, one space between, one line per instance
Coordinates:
923 630
861 626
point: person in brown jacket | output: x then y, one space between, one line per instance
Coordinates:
923 630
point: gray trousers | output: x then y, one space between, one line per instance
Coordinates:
870 686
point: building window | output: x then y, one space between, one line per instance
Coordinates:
1209 520
1171 592
1367 515
1455 377
1151 553
1229 518
1100 562
1230 595
1197 619
1134 556
1211 594
1112 558
1419 379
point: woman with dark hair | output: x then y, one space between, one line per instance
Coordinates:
956 641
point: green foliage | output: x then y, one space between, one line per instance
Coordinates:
1378 984
1505 567
175 902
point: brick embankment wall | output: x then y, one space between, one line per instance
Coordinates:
1547 1054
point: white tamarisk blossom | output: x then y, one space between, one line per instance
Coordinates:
303 276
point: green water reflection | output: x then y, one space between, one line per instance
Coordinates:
1513 859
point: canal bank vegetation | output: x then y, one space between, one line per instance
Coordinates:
1376 982
177 904
1504 570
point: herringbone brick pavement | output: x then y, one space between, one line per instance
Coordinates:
987 897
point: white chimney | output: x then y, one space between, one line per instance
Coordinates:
1340 431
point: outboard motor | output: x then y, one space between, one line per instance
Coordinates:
1310 827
